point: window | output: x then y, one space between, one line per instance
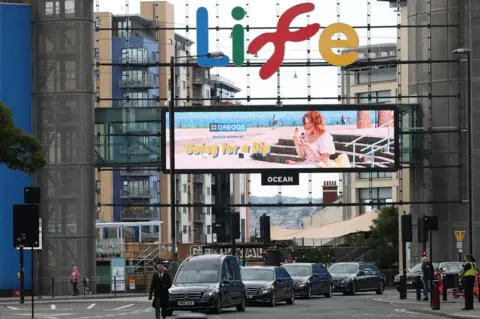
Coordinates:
136 99
136 188
135 55
184 188
285 273
376 75
242 229
375 175
375 97
209 229
184 85
376 195
318 269
208 191
184 229
242 189
226 271
184 210
234 268
278 273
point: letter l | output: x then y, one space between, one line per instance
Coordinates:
202 42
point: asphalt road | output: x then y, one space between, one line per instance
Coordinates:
361 306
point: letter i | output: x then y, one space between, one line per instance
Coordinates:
238 37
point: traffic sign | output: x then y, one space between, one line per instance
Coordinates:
460 234
459 245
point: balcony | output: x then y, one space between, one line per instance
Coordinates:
137 193
199 179
132 214
139 59
147 82
140 103
138 173
198 198
199 79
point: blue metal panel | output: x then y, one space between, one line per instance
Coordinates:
16 93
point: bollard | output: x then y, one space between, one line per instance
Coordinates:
115 285
402 288
53 288
418 285
435 296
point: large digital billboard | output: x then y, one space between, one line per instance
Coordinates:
313 138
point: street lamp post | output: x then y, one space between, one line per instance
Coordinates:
467 53
171 118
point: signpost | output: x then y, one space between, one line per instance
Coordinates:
280 179
460 235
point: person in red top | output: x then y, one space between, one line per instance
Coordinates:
74 280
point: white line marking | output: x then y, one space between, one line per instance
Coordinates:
91 306
12 308
123 307
53 307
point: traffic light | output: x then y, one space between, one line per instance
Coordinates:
422 229
265 228
407 236
235 218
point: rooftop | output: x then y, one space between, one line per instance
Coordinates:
217 80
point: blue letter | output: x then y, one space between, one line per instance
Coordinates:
202 42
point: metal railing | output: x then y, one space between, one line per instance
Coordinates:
141 193
374 150
143 59
365 135
149 82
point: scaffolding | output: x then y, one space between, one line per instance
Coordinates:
429 90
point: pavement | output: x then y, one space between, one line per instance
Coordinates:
47 299
360 306
452 308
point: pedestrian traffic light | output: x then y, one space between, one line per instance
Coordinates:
265 228
406 221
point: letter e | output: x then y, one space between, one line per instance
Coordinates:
327 44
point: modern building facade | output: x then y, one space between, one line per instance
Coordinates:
15 27
130 190
375 84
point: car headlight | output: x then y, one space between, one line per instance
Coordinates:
302 284
266 290
345 281
208 295
397 278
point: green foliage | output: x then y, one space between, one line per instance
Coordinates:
19 150
313 255
355 240
384 237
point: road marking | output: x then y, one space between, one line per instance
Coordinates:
123 307
53 307
12 308
91 306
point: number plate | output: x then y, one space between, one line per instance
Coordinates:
249 296
186 303
409 282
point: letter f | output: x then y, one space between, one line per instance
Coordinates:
202 42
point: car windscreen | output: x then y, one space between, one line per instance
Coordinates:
251 274
452 266
343 269
298 270
198 272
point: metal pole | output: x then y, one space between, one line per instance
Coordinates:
432 294
33 284
22 276
403 293
470 153
171 113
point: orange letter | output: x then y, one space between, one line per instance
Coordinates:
326 44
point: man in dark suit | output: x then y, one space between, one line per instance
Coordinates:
161 282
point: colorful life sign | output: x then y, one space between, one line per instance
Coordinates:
279 39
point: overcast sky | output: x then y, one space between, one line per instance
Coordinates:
263 13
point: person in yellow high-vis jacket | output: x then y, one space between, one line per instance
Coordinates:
468 276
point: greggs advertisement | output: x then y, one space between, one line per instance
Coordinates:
313 139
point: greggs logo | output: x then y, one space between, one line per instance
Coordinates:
279 38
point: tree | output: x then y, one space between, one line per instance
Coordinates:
383 240
19 150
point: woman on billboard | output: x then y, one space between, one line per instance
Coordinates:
315 145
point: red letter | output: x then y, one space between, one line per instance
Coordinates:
280 37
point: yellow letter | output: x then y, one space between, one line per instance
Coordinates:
326 44
255 147
215 150
266 150
245 149
189 148
224 148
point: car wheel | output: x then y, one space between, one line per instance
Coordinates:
309 293
273 300
242 306
330 292
218 307
381 289
353 288
291 300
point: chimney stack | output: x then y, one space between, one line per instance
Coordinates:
330 192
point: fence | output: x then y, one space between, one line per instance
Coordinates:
61 286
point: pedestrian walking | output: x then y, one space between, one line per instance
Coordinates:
428 273
161 282
468 276
74 279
